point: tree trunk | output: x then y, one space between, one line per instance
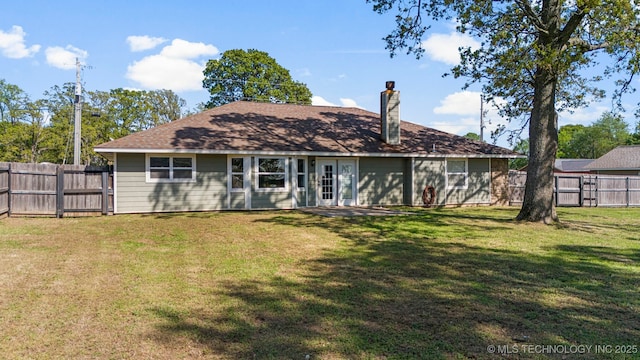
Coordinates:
538 205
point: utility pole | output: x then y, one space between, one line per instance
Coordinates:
482 117
77 123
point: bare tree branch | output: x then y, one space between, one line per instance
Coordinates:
525 6
570 27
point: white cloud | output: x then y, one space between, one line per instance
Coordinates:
159 72
462 113
320 101
174 68
460 126
459 103
463 110
464 125
65 58
181 49
13 46
444 47
582 116
349 103
346 102
141 43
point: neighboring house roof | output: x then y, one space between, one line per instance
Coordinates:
572 165
243 127
621 158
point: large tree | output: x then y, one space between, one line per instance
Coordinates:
533 54
251 75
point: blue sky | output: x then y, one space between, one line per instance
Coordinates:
334 46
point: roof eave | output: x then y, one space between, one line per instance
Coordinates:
109 151
614 169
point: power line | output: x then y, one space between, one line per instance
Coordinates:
273 84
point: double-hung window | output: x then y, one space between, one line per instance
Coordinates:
271 173
237 174
302 174
457 174
171 168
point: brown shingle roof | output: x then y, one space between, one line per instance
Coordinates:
248 126
620 158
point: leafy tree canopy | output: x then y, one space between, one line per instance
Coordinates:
251 75
13 102
472 136
566 135
635 137
521 147
591 142
42 130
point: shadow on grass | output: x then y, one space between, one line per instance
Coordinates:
395 291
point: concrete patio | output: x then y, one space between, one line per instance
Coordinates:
348 211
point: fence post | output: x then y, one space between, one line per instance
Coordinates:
9 191
105 192
60 191
581 191
628 183
597 197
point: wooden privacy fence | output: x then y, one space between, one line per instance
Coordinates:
55 190
584 190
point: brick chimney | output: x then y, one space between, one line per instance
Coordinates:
390 114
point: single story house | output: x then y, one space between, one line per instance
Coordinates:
623 160
249 155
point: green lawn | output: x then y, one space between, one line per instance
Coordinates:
440 284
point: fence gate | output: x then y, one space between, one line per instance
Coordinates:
568 190
4 188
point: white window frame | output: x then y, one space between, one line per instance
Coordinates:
297 186
258 173
298 172
247 169
465 173
149 179
246 174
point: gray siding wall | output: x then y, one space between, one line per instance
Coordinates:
302 198
409 187
381 181
433 172
429 172
237 200
271 200
134 194
479 189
